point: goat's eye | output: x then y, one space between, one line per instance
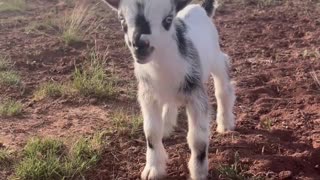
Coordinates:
166 23
123 23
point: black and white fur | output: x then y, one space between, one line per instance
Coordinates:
176 48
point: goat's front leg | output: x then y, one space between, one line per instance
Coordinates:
153 128
198 134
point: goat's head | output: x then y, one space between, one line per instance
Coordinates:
147 24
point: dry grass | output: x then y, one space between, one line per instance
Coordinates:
76 24
51 90
315 77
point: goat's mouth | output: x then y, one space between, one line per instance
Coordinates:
142 55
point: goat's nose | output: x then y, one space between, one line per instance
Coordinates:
141 43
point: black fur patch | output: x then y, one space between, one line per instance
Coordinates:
208 6
141 24
180 4
191 82
181 30
202 154
150 145
187 50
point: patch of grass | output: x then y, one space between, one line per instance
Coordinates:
125 123
311 53
4 63
9 108
82 156
234 171
9 78
51 159
12 5
51 89
91 80
266 124
46 25
5 158
41 160
76 24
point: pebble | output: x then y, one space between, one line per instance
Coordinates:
285 175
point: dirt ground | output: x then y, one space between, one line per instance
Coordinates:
274 49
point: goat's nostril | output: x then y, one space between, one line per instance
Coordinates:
141 44
144 43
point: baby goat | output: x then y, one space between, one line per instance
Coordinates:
176 47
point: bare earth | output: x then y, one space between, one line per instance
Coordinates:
271 50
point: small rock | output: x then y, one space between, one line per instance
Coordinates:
317 121
93 100
285 175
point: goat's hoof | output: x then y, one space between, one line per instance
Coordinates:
224 129
153 173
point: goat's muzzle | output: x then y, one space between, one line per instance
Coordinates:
142 49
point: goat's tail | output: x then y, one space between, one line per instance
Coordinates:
210 6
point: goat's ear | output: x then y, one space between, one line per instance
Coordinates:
180 4
114 4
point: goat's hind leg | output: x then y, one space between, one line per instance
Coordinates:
156 156
169 117
225 95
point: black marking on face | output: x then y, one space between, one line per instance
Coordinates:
142 25
202 154
150 145
187 50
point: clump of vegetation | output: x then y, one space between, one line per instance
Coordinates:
76 24
313 53
4 63
51 89
5 158
316 78
13 5
125 123
46 25
91 80
51 159
9 78
234 171
9 108
266 124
